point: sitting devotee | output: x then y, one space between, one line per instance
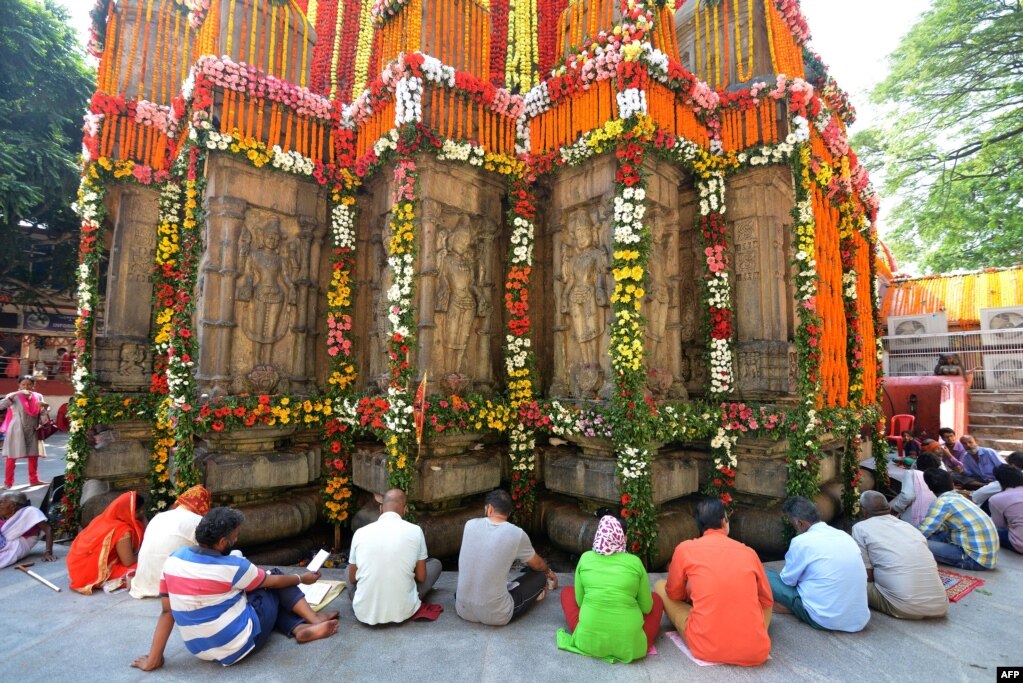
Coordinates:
20 528
1007 507
957 531
605 608
902 576
490 545
914 500
947 451
717 594
910 448
979 462
823 582
108 547
388 571
165 533
984 493
225 606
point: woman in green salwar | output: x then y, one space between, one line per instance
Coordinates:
611 612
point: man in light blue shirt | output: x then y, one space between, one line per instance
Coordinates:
824 582
979 462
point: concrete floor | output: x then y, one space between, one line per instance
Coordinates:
65 636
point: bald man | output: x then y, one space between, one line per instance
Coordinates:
902 576
388 570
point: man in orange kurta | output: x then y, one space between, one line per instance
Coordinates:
717 594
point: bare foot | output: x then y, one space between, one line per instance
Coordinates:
305 633
326 616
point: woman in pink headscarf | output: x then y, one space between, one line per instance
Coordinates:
611 612
25 409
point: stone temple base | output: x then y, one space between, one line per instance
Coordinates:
439 480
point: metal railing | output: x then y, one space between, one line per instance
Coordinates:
991 359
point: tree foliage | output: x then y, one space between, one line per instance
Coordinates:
952 143
44 90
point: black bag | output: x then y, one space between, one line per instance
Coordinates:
52 501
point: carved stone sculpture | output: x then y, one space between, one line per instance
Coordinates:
459 292
268 286
585 292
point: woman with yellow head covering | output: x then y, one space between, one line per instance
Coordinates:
167 532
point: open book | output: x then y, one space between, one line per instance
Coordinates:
322 593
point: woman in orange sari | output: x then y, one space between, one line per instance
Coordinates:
108 547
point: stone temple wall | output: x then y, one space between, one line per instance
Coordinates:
267 272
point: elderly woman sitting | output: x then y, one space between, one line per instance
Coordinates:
21 527
611 611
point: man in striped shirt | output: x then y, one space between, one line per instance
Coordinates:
225 606
958 532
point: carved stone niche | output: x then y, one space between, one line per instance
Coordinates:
760 202
766 369
661 306
372 329
692 363
123 360
258 300
581 236
461 288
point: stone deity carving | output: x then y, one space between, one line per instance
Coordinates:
268 286
585 293
459 292
132 359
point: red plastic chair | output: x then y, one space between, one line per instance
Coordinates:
900 423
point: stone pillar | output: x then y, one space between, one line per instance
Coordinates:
123 356
219 272
691 293
759 201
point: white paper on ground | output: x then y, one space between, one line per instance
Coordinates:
674 637
315 593
317 562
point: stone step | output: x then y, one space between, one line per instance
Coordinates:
1002 444
983 419
1002 431
1002 404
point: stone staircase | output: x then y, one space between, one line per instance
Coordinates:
996 420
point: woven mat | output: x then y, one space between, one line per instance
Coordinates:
957 585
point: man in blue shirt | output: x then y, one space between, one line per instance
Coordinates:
824 582
979 462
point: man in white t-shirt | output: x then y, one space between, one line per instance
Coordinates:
388 570
165 533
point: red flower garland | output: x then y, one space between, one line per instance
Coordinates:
498 41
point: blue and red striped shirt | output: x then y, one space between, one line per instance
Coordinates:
207 598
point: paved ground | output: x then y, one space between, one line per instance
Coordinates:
49 636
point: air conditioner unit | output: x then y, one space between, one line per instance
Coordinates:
1005 325
911 366
906 332
1003 372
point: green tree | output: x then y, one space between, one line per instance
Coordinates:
44 90
952 144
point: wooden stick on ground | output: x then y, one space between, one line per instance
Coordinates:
25 568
